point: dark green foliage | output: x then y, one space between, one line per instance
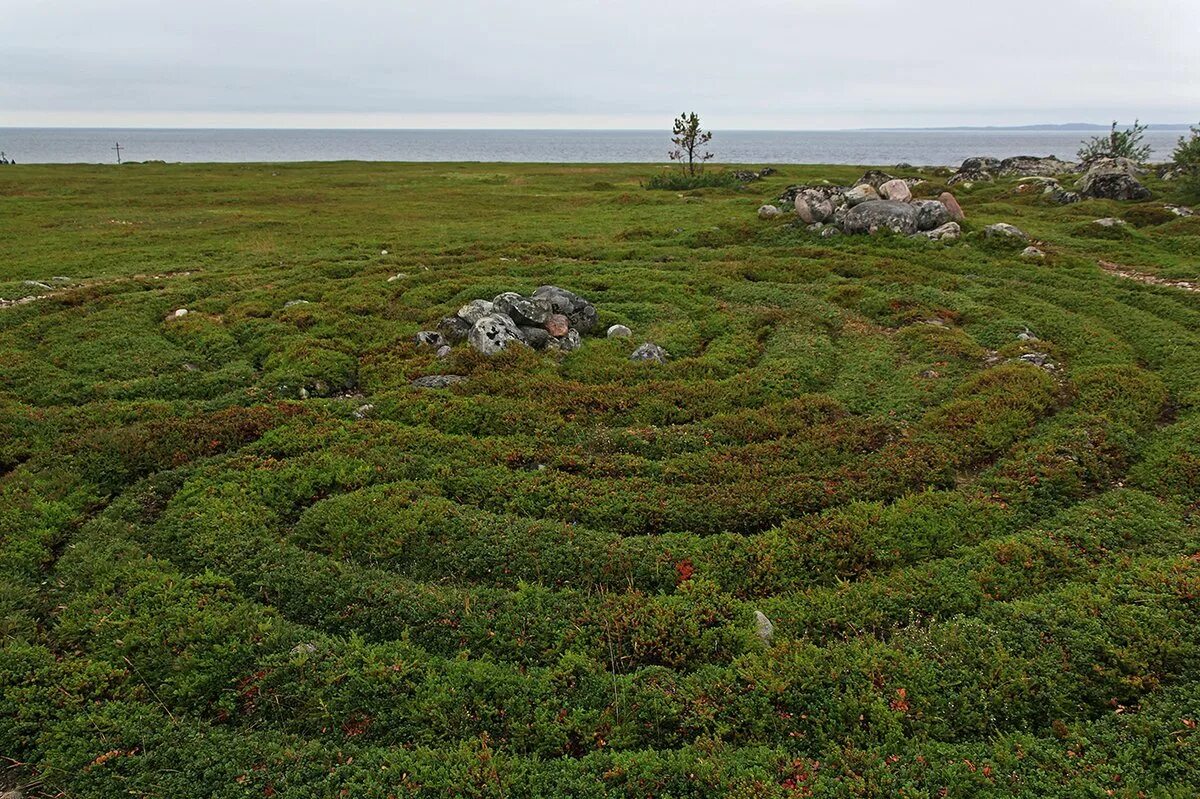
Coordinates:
683 181
241 556
1186 160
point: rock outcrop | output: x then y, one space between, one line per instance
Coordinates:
1112 179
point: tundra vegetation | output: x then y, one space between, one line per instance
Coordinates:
896 518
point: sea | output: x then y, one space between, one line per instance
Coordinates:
873 147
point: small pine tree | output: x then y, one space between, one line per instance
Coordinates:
689 141
1187 160
1117 144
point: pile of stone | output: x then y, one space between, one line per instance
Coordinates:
551 318
877 202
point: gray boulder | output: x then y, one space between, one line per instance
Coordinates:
535 337
1112 179
523 310
429 338
649 352
874 216
768 212
583 319
475 310
454 328
493 333
561 300
1002 231
931 214
947 232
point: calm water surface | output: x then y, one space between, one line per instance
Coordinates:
94 145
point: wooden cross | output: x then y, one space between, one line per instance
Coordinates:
118 149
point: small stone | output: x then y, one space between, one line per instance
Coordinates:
383 252
649 352
570 342
438 381
956 212
180 313
294 303
1026 335
763 626
429 338
1032 252
1109 221
37 284
895 190
363 411
619 331
557 325
397 276
1004 231
947 232
443 351
768 212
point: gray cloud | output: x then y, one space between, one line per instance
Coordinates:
752 63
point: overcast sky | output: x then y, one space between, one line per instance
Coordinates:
743 64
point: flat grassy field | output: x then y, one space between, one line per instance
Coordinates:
241 556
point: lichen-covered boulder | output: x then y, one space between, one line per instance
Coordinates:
454 328
429 338
475 310
1002 231
931 214
649 352
876 216
493 333
768 212
523 310
947 232
1112 179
